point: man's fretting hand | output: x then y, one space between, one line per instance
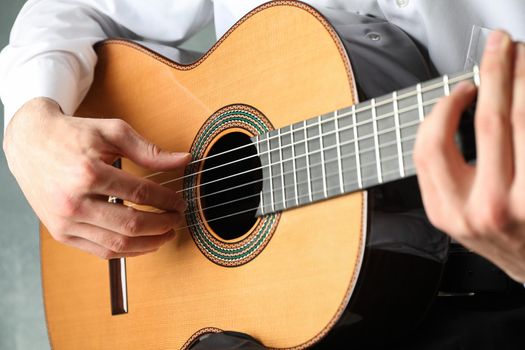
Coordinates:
63 166
482 206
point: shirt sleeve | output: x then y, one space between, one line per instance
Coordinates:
50 51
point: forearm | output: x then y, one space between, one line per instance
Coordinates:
50 53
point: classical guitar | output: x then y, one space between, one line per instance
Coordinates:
274 238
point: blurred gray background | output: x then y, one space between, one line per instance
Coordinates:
22 322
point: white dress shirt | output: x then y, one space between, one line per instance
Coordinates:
50 52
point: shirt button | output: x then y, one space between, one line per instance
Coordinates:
401 3
373 36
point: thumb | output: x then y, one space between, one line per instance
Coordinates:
144 153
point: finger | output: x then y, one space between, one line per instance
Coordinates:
518 116
140 191
144 153
492 122
95 249
442 171
128 221
435 146
119 243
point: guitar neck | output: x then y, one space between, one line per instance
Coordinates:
347 150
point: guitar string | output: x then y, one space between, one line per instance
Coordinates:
366 150
320 178
300 156
365 137
429 88
303 195
314 138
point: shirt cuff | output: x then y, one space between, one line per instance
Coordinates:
50 77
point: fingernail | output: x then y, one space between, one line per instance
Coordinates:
495 40
180 155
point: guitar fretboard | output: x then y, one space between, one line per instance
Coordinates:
347 150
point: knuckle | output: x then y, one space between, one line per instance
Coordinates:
88 175
58 229
140 193
153 150
69 206
168 225
489 122
438 222
133 225
455 224
119 128
120 125
467 229
494 217
107 254
120 245
62 238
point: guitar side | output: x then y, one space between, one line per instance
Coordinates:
284 60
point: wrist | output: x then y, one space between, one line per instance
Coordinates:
41 106
30 115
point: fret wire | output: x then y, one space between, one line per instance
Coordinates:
349 155
307 161
376 140
293 167
356 146
338 148
406 109
302 182
261 200
251 209
420 102
409 124
429 88
270 171
370 149
465 76
476 75
398 135
281 166
446 87
322 155
408 153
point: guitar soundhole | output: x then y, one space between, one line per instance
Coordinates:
230 185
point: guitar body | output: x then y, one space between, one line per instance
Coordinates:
284 61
